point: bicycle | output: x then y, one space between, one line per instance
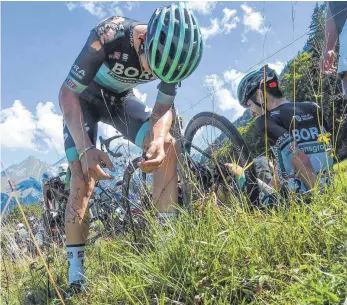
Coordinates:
205 165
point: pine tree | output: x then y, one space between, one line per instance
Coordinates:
316 29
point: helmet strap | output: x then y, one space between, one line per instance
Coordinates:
142 46
141 51
258 104
254 100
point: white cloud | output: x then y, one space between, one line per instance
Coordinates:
223 26
22 129
95 8
141 96
230 20
226 99
51 125
212 30
202 7
278 66
130 5
71 5
233 77
100 9
17 127
253 21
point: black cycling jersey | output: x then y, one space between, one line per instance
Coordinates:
105 73
292 127
110 59
338 10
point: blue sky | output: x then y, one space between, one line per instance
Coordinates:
40 41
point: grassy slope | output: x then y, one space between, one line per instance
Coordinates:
295 255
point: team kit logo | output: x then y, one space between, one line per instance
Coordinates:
111 30
77 71
130 72
71 83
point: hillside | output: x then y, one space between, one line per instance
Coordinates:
294 254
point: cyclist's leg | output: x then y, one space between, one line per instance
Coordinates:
131 117
165 180
76 213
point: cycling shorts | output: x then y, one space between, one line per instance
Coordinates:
123 111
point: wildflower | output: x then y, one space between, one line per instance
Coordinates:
324 138
332 153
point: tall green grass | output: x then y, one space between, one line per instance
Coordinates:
295 254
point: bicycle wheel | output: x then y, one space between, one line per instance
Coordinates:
211 141
54 228
136 193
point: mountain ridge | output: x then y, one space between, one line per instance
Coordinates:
25 179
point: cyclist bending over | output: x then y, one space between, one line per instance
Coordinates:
119 54
293 130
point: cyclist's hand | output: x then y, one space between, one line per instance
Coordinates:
91 165
155 156
326 64
235 169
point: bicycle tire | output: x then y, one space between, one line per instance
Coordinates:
244 156
145 201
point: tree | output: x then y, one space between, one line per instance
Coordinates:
316 29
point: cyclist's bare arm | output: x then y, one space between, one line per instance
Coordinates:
331 35
161 121
70 106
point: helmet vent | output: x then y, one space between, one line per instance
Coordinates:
183 56
175 74
194 50
177 29
166 69
177 14
186 17
195 34
194 21
172 50
157 58
162 38
167 18
187 36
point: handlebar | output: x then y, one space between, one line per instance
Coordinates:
105 144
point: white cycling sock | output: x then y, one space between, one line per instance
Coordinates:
75 257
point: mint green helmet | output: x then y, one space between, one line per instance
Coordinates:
173 44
